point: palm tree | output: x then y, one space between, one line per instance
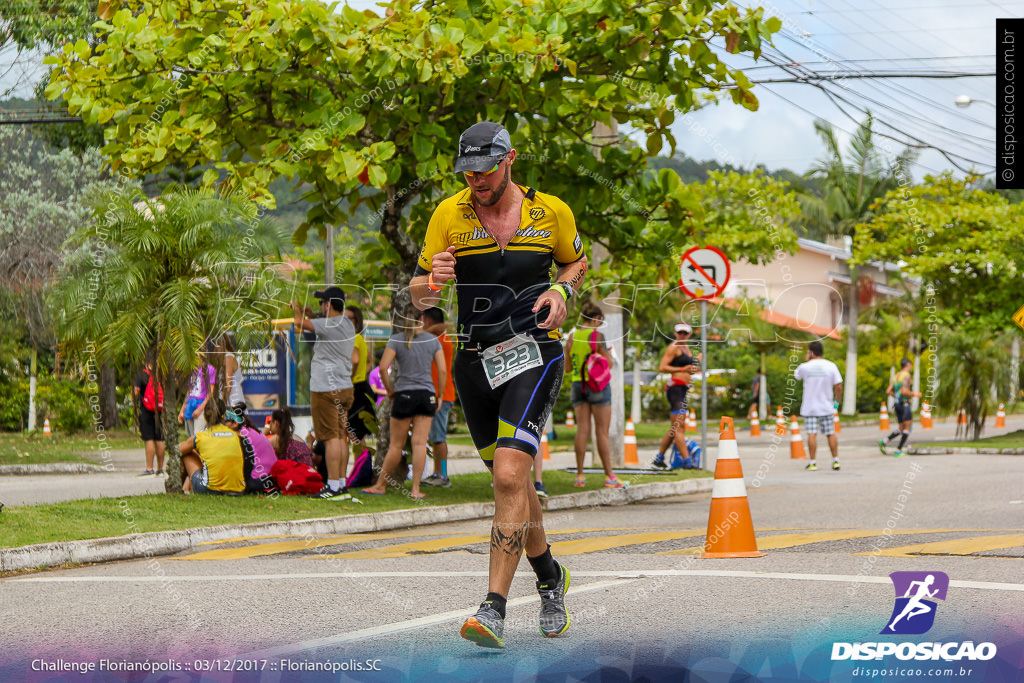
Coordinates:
166 276
850 184
974 374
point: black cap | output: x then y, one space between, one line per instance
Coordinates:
332 293
481 146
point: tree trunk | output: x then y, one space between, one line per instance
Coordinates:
402 310
108 397
850 381
172 462
32 392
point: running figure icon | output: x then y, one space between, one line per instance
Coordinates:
917 594
915 606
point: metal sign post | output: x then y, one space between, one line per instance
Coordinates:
703 274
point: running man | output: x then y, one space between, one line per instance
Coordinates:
823 385
914 606
498 240
678 361
899 389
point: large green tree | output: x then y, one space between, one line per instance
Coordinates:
367 108
966 245
850 183
166 276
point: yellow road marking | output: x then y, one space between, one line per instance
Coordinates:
590 545
403 549
960 546
292 546
793 540
305 544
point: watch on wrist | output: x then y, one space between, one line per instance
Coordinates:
567 288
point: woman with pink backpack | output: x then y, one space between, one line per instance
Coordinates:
589 361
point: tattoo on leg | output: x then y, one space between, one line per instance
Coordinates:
511 543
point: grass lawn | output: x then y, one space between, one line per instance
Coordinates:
19 449
102 517
1010 440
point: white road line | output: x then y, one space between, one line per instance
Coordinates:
837 578
409 625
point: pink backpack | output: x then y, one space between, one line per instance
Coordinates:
597 371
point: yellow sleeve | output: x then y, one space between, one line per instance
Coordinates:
436 240
568 245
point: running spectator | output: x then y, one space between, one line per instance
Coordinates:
586 402
823 385
900 389
280 432
433 322
216 459
678 361
201 386
330 384
151 428
414 401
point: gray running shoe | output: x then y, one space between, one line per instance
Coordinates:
541 491
554 618
485 627
660 464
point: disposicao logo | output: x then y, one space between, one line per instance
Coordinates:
914 612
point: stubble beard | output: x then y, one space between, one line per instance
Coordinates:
497 193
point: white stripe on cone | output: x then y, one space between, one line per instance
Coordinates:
728 488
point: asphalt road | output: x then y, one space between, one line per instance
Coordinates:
643 605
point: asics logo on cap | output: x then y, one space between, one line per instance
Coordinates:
470 148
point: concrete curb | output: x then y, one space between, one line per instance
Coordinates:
153 544
961 450
55 468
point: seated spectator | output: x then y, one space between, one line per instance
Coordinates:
263 454
215 460
281 433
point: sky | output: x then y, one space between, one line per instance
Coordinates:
840 37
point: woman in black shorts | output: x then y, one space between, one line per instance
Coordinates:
413 401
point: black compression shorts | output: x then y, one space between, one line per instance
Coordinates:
676 395
903 412
513 414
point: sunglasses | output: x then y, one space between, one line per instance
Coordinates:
473 174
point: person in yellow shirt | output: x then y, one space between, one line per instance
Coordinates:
217 460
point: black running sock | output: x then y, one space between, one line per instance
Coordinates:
545 567
903 440
892 435
497 602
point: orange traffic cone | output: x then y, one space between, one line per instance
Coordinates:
780 423
835 421
730 528
755 425
629 444
691 422
545 450
926 416
46 427
961 417
1001 416
796 443
883 419
570 419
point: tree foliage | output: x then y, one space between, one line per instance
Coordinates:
348 101
974 374
966 244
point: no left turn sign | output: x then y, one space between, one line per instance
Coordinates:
704 272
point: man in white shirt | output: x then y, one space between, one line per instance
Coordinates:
823 385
